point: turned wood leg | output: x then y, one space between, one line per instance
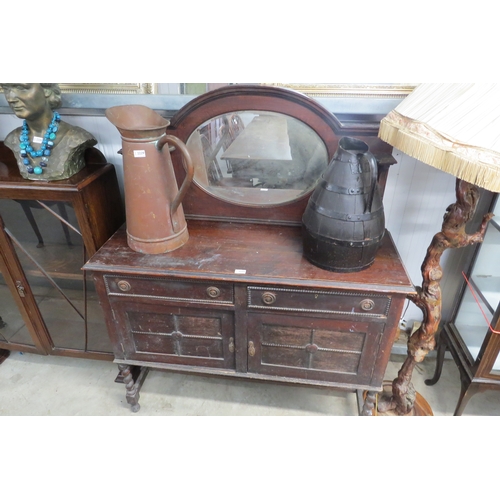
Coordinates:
132 393
132 387
441 351
369 404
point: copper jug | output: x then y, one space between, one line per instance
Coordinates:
344 223
155 218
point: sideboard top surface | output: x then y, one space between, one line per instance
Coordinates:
258 253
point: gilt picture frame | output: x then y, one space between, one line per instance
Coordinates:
364 90
109 88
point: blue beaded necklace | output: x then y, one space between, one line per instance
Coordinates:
28 152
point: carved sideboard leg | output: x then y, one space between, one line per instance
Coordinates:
369 404
132 387
370 398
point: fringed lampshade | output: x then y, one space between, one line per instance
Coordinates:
454 127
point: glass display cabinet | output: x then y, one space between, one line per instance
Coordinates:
47 232
473 335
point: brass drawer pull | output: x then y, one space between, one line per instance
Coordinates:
124 286
213 292
367 304
268 298
251 349
20 289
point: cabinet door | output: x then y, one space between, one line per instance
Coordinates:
21 326
44 265
330 350
162 333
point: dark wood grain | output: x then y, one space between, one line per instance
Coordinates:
267 254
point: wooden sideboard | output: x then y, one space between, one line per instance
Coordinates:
240 300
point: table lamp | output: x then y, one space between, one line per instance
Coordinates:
454 127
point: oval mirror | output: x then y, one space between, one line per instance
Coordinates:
257 158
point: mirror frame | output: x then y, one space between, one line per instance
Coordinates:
198 204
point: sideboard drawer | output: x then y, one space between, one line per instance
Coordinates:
286 299
171 289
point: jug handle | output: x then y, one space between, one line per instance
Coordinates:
188 163
373 182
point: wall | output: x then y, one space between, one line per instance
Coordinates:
416 195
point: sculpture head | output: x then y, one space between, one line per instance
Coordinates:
31 101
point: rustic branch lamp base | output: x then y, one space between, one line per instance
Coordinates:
450 126
403 398
421 407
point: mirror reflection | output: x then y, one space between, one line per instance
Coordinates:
256 157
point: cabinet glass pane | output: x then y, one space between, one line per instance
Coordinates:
477 309
496 366
51 251
471 323
494 288
486 272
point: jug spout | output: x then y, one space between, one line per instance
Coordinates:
137 121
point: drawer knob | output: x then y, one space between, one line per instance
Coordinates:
213 292
311 348
124 286
367 304
268 298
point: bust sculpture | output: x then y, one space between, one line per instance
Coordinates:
45 147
